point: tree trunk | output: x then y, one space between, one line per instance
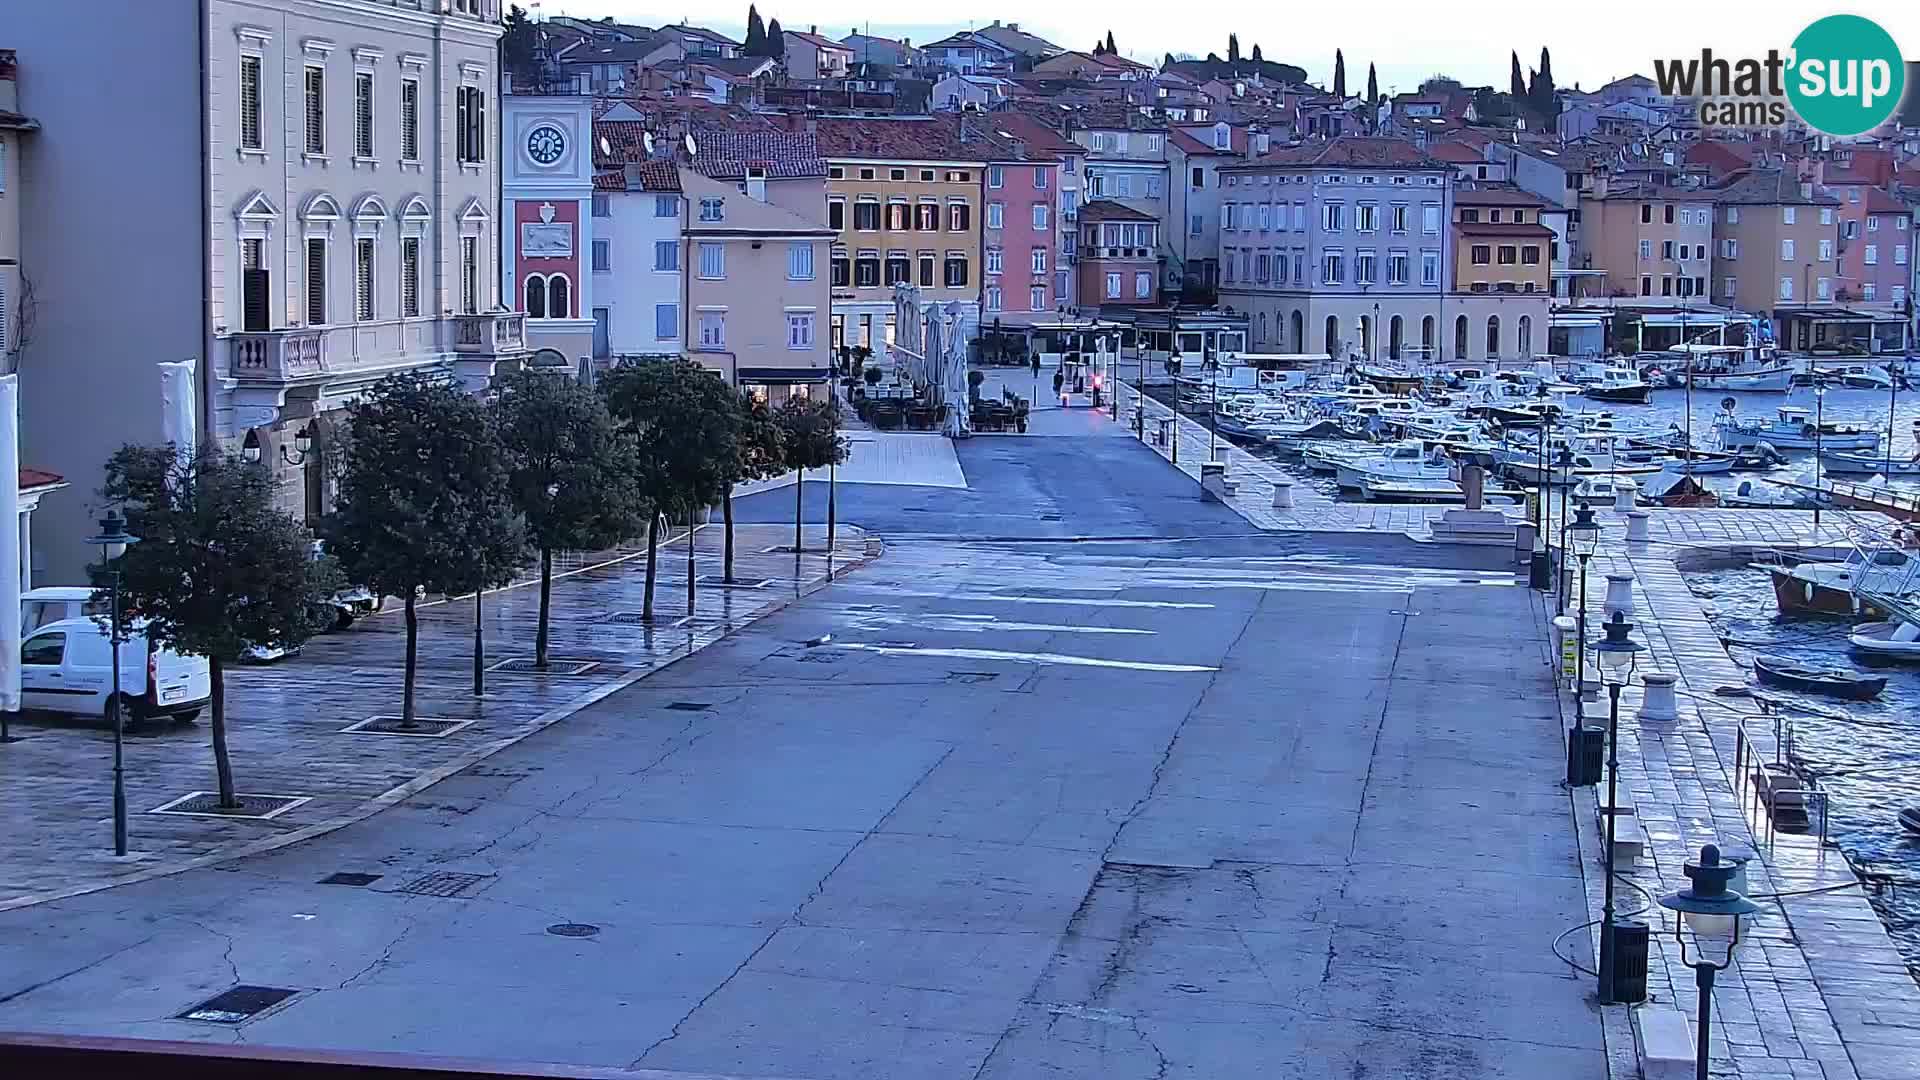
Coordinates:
653 550
413 639
799 486
690 535
546 604
726 511
222 764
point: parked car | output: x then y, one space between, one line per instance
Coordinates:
343 607
53 603
67 667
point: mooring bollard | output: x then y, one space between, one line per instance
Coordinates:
1282 493
1659 705
1619 596
1637 526
1623 495
873 547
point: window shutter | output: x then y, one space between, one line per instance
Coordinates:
316 282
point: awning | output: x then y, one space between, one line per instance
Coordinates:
1692 319
1594 321
783 375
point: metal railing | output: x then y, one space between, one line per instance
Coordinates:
1776 790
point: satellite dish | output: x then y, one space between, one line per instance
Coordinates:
606 148
646 140
693 148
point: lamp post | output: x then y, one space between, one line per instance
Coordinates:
1173 369
1112 367
1563 461
113 539
1713 912
1617 655
1212 367
1819 420
1585 536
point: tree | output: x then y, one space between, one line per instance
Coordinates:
1373 95
1233 48
423 504
218 568
1256 53
1339 75
1166 62
776 48
1542 95
758 455
518 43
810 439
1099 47
685 424
1110 49
1518 87
570 473
756 43
1438 84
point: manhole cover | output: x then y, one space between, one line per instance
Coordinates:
573 929
443 883
207 804
689 706
422 727
526 665
348 877
238 1004
719 581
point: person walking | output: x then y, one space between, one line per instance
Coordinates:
1059 383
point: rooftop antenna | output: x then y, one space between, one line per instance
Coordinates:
606 148
646 142
693 148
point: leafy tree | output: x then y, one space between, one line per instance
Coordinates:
758 455
1518 82
517 44
756 43
810 439
685 424
1110 49
1233 48
1441 84
423 503
1256 53
218 568
776 41
1339 75
570 473
1213 58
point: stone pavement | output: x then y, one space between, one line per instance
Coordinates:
1819 990
285 720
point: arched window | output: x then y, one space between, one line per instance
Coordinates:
1426 338
558 288
1297 324
536 296
1333 336
1366 337
1526 337
1396 329
1493 337
1460 338
1263 328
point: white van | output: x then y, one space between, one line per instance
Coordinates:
67 667
52 603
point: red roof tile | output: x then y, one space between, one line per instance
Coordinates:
1502 228
725 154
1108 210
1458 153
1496 196
38 478
936 138
1353 151
1037 135
1880 202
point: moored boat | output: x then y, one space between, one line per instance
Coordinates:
1812 679
1893 639
1844 586
1792 429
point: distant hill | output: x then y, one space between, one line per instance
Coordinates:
1216 68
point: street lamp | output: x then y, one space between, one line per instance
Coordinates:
1584 534
1713 912
1212 367
1173 369
1819 420
1563 464
113 539
1617 656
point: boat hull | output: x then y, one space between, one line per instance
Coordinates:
1767 381
1876 639
1625 395
1841 685
1797 596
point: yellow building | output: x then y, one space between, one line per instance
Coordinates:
1500 246
1649 240
1774 237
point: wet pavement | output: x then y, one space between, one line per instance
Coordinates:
1083 778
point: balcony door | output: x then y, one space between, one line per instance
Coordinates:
253 286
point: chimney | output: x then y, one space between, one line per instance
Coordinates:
757 183
631 170
1013 26
1806 189
815 30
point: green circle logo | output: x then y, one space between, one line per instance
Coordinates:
1847 76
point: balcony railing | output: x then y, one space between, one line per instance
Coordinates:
278 355
307 354
493 332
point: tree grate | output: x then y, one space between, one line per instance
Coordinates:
252 807
349 877
423 727
689 706
238 1005
448 883
719 581
525 665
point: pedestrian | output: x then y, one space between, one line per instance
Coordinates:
1059 380
1036 365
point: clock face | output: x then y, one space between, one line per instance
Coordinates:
545 144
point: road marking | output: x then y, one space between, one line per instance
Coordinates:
1026 657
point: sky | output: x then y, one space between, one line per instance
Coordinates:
1590 44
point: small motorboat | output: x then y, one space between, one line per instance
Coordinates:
1808 678
1894 639
1910 819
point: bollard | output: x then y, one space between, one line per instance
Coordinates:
1658 705
1637 526
873 547
1619 596
1623 495
1282 493
1525 534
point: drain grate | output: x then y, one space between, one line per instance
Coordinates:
423 727
443 883
349 877
624 618
719 581
690 706
573 929
972 676
238 1005
255 807
525 665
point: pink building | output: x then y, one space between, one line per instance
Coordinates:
1020 235
1874 257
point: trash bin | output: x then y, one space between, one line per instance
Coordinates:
1629 961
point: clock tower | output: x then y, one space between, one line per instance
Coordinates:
547 196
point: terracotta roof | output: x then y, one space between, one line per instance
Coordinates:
1353 151
1495 196
1767 187
18 122
1037 135
1198 139
1502 228
1458 153
935 138
725 154
1880 202
653 175
38 478
1108 210
815 40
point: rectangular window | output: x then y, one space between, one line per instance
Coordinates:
363 279
1332 216
1039 215
409 120
1429 268
1873 223
666 321
713 210
959 217
251 136
1646 249
666 255
470 116
713 329
1898 294
1039 263
1363 268
602 256
866 270
1786 250
1868 291
1826 215
956 272
1299 216
1197 225
602 205
1333 268
1037 298
996 215
926 217
993 260
316 110
837 214
1666 250
925 268
1872 255
840 270
1470 215
316 282
713 260
1646 285
1261 267
666 206
898 218
1398 218
799 330
1509 255
1367 217
1786 288
1786 215
899 271
470 275
996 176
410 277
1482 254
1430 219
1396 268
363 114
993 298
1732 286
1142 285
1226 217
1820 287
866 216
1668 208
1530 255
1900 253
800 261
1113 286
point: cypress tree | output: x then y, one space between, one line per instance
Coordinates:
1518 81
1233 48
776 41
1339 75
756 43
1110 49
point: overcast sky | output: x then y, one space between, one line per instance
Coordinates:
1591 44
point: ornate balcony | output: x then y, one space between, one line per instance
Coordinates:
495 333
278 355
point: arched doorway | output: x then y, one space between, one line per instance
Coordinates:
1526 337
1426 338
1263 328
1396 329
1297 331
1333 337
1460 338
1366 337
1493 337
